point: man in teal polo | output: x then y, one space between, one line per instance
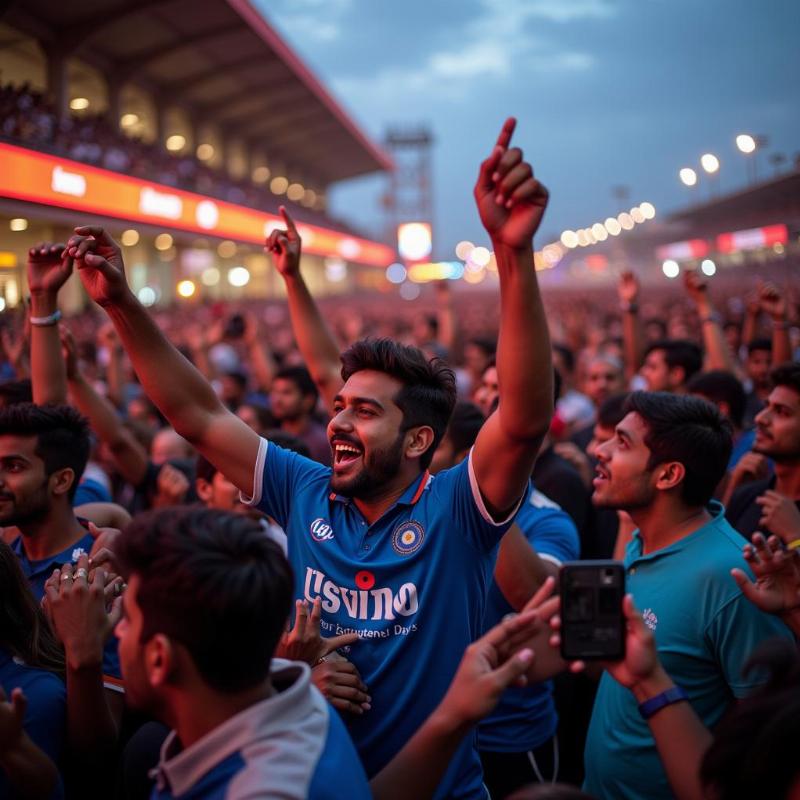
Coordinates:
662 466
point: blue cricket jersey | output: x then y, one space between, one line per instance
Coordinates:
412 585
525 718
37 573
46 715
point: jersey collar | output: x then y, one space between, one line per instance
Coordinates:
410 496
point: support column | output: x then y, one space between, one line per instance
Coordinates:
57 84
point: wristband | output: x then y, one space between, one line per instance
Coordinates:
44 322
673 695
794 545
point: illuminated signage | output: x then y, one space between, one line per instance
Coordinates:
51 181
752 239
683 251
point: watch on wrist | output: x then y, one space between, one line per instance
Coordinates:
672 695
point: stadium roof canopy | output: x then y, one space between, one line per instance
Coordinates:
221 61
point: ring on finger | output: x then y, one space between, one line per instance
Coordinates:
81 573
66 576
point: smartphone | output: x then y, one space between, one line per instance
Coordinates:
592 622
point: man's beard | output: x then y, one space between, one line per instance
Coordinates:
383 465
34 509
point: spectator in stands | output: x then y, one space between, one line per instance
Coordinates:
462 431
292 401
670 364
726 392
604 377
772 504
207 599
668 455
43 451
574 408
382 450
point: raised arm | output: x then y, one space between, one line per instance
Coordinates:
49 267
718 354
316 342
511 203
773 303
130 457
184 397
519 571
632 335
260 355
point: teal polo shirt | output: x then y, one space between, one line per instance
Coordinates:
705 630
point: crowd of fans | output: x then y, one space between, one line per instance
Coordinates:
28 118
312 549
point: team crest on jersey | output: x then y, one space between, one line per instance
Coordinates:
321 530
650 619
407 538
77 553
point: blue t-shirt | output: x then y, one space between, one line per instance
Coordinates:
412 585
46 715
37 573
705 630
525 718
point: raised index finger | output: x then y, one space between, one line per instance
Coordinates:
290 226
506 132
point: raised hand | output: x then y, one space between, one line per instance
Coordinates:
171 485
284 246
77 609
304 641
772 301
511 202
100 265
488 667
49 267
776 589
696 287
779 515
628 288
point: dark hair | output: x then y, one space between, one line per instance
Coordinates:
214 582
263 415
787 375
753 751
24 630
465 425
13 392
288 442
204 470
612 410
557 384
62 436
689 430
429 386
720 386
567 356
759 344
301 378
662 327
484 343
238 377
679 353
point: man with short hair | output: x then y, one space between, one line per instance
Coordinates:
667 456
604 377
43 452
772 505
399 557
669 364
292 399
206 605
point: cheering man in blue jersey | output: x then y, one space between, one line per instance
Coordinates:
399 557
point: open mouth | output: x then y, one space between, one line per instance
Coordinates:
345 455
600 475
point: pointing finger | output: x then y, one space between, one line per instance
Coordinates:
506 132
